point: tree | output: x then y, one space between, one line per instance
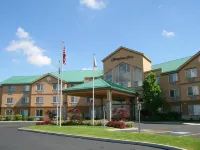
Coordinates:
152 94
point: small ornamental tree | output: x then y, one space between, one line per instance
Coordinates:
152 94
123 114
76 114
50 114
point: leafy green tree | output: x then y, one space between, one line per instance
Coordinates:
152 94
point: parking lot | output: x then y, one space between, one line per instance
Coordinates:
167 129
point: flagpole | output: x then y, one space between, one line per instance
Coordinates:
93 93
61 96
58 92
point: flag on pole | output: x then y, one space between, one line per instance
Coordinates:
94 63
64 56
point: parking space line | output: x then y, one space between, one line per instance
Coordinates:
190 134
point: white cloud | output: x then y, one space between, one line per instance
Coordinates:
35 55
93 4
167 34
15 61
86 69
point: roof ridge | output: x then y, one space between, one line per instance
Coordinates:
172 60
104 81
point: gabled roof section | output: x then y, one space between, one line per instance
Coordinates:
171 66
130 50
99 84
78 75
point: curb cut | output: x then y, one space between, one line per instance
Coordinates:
166 147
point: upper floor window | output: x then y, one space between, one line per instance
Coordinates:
191 73
108 76
26 88
74 99
158 80
9 101
193 90
174 93
11 89
25 100
55 99
9 112
39 100
55 86
123 75
173 77
39 87
137 76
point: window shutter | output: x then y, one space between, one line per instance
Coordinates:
177 92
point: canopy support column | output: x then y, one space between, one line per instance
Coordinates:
109 105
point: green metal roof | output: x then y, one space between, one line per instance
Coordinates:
78 75
98 84
68 76
170 65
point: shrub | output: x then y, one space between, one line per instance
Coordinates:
40 123
31 118
76 114
120 114
1 117
129 124
116 124
41 118
25 118
18 117
8 118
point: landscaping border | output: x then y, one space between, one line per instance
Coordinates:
166 147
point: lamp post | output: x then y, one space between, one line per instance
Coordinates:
139 108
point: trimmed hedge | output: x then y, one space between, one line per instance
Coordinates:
129 124
1 117
18 117
8 117
31 118
79 122
116 124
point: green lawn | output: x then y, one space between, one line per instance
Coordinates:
182 142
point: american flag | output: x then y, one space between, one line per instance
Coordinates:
64 56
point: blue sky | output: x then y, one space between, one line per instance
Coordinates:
31 32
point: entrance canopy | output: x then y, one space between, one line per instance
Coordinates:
101 88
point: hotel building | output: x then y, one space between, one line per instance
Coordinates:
123 73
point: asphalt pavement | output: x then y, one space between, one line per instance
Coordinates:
12 139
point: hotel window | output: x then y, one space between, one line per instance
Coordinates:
88 100
9 112
194 109
123 75
9 101
191 73
193 90
174 93
173 77
39 87
108 76
55 86
137 76
11 89
25 100
54 112
176 109
54 99
157 80
38 113
74 99
24 112
26 88
39 100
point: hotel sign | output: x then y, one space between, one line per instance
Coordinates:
122 58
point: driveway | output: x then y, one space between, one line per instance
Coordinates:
12 139
169 129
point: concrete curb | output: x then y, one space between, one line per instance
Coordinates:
175 123
166 147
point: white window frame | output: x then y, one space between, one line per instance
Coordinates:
39 100
189 71
9 110
174 78
39 110
192 90
23 110
194 109
26 100
41 87
57 100
26 88
11 89
9 99
174 93
75 98
56 86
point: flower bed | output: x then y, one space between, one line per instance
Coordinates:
116 124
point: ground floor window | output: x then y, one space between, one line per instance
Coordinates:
176 109
194 109
54 112
9 112
24 113
39 113
74 99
